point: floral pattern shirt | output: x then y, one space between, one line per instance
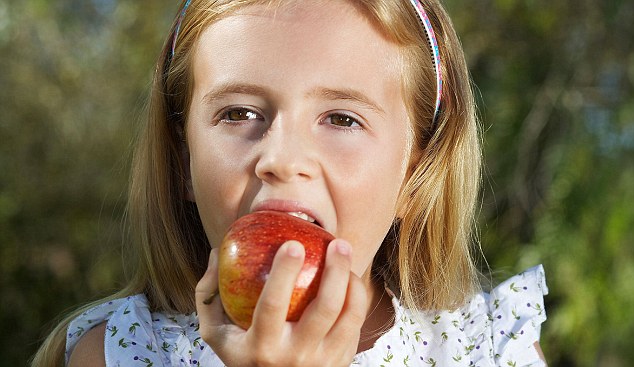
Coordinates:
492 329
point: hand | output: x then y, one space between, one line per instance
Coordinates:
327 334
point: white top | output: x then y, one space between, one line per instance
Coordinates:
496 329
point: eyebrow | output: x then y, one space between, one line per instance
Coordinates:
234 88
346 94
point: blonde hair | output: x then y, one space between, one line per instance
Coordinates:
426 255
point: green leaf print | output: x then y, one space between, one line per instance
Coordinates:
436 319
113 330
147 362
123 343
512 336
133 327
78 332
469 348
417 337
165 347
388 357
515 315
537 307
514 288
406 361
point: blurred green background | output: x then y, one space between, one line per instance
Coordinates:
554 83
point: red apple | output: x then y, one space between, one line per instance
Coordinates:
246 255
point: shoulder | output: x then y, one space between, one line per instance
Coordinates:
89 351
517 300
86 333
515 311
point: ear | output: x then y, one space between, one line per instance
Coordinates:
185 164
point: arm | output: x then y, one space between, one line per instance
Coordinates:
89 351
540 352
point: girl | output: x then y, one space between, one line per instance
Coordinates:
357 115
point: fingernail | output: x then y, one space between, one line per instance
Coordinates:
210 299
294 249
343 248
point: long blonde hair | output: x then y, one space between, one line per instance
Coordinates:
426 255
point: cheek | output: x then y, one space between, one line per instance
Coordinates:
217 184
365 195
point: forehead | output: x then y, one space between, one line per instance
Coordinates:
324 42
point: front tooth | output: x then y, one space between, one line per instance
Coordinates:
303 216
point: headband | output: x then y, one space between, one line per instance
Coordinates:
433 45
422 16
178 26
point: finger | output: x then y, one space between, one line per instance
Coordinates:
214 326
269 316
324 310
207 286
351 319
208 305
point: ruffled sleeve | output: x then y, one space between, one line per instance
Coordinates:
136 336
134 314
130 339
517 311
128 332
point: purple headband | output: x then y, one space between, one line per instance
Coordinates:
433 44
178 25
422 15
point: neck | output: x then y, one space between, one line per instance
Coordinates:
380 314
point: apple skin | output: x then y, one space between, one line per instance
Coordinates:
246 256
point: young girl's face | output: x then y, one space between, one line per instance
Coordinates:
299 109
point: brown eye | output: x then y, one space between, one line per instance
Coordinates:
343 120
240 114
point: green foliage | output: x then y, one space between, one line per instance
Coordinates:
554 82
556 103
74 78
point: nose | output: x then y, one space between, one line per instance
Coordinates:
286 153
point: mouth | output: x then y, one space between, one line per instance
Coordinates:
304 216
293 208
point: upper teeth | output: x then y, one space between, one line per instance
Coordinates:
303 216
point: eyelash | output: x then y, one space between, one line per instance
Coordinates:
223 117
355 123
